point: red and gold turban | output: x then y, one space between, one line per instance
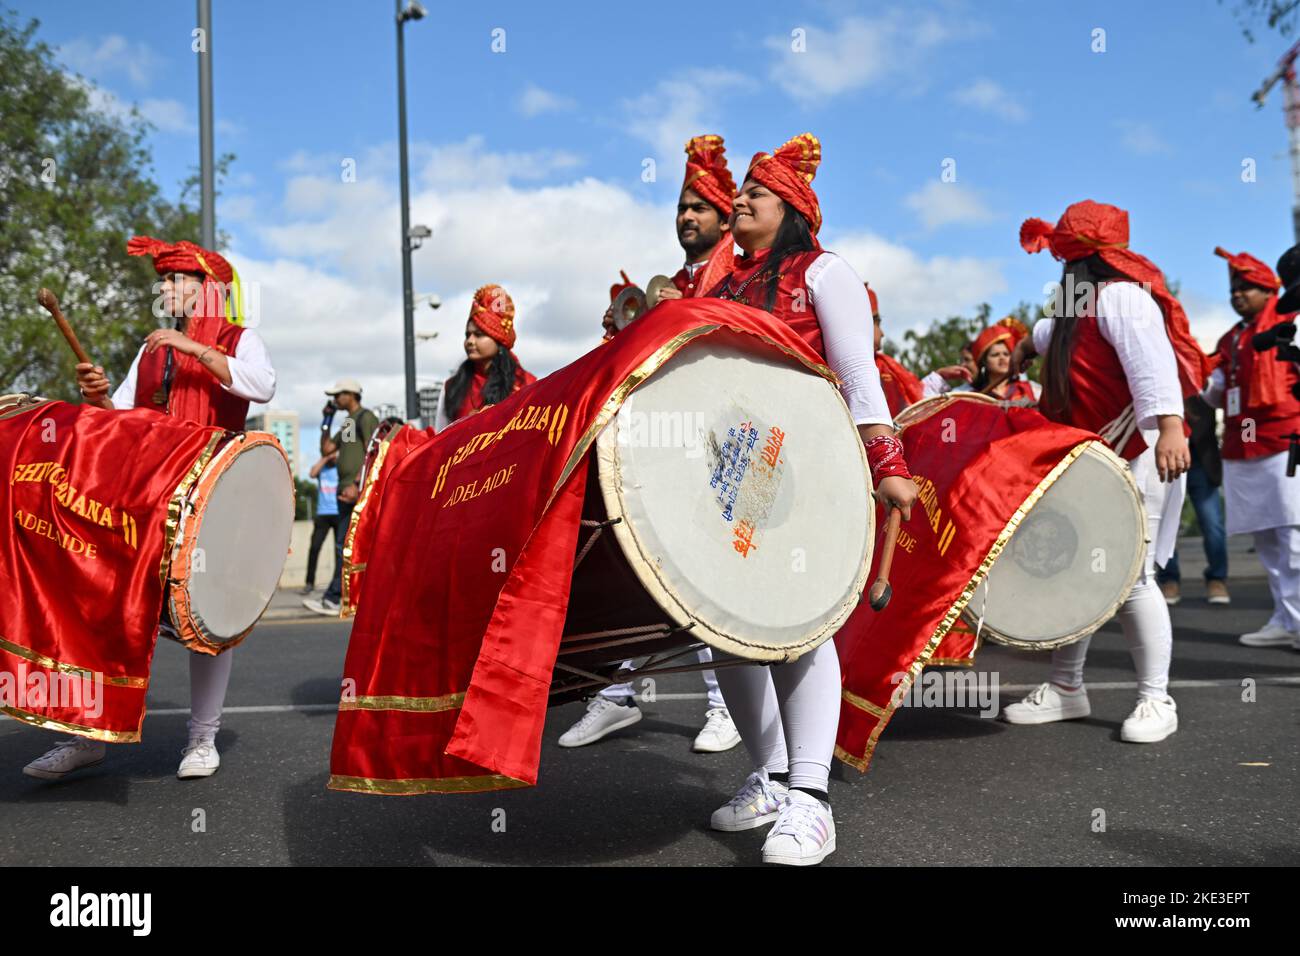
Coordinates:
875 303
1092 228
1009 330
1249 268
789 173
182 256
493 311
707 173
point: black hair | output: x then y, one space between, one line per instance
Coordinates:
499 385
1088 274
792 237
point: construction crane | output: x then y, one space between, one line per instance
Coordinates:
1286 73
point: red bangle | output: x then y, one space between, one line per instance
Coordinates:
885 456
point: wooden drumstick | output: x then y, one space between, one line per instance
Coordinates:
46 298
881 590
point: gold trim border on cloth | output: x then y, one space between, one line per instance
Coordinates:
171 526
49 663
413 705
945 625
414 786
94 733
346 607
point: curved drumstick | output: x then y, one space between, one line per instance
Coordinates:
881 590
46 298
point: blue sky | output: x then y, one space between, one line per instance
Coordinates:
528 163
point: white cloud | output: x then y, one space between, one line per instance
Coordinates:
941 204
988 96
1141 138
470 161
113 54
1208 318
535 101
679 108
914 291
858 52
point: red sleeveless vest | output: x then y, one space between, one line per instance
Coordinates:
1099 389
792 306
196 395
1273 424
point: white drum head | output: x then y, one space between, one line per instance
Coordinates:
244 536
695 491
1071 562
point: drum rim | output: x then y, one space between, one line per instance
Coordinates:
643 565
185 620
1102 451
928 406
347 606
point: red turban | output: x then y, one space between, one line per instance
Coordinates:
1250 269
1092 228
618 287
1009 330
493 311
789 173
875 303
183 256
707 173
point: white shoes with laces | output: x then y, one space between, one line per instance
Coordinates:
198 759
804 833
1046 703
756 803
74 754
1152 720
719 733
1270 635
603 717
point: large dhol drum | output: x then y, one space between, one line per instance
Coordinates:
233 521
728 504
1073 558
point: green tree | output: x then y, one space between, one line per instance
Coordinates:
942 342
75 184
1280 15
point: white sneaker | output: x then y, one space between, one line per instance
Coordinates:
1270 635
198 759
322 606
719 733
1152 720
68 756
757 802
1046 703
804 834
602 718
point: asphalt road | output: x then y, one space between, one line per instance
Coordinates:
947 786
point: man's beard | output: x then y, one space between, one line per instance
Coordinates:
698 244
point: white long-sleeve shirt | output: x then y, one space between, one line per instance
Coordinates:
252 376
843 310
1131 321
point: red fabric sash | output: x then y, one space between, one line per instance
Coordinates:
901 387
87 493
1265 383
195 395
447 678
972 500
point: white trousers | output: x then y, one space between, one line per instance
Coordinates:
1279 552
626 691
209 677
788 714
1144 616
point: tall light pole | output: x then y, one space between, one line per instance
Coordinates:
207 176
412 11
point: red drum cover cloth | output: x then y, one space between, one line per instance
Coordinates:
979 466
447 679
82 568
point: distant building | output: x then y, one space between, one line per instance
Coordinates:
284 426
388 410
429 403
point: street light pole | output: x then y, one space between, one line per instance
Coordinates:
207 176
413 12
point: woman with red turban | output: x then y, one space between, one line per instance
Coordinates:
775 218
1120 359
205 367
994 375
490 371
1261 411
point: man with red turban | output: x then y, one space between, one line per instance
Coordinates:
1120 359
1257 394
204 367
900 386
490 371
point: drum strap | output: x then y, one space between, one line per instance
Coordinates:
1120 429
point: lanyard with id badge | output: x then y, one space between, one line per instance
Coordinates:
1232 397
